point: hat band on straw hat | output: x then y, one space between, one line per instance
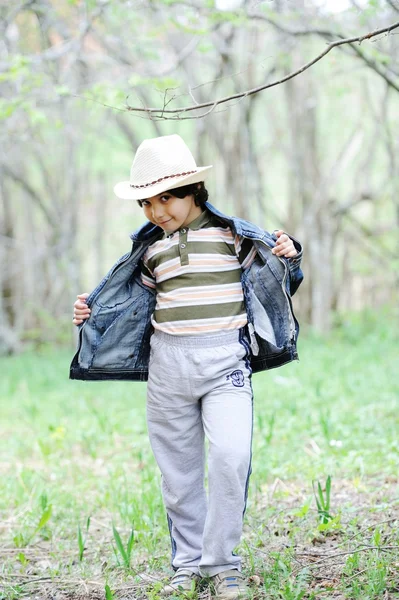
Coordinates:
144 185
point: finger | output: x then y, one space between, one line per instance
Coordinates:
81 314
81 309
85 295
279 252
291 253
81 305
281 248
80 317
279 232
288 252
283 239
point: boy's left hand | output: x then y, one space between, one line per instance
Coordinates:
284 245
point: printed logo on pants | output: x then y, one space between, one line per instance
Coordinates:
236 378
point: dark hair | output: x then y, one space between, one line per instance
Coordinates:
198 190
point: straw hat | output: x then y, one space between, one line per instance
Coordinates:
160 164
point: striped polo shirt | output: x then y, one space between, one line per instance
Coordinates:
196 272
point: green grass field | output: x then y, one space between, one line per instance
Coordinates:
80 506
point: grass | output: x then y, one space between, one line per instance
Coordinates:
81 514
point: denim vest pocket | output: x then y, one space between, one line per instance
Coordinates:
269 307
262 324
120 331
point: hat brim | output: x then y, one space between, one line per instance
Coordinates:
124 190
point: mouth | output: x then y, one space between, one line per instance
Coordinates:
164 222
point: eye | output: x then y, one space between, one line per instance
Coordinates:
145 203
164 198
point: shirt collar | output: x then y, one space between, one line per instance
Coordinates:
199 222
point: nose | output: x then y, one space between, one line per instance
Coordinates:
158 212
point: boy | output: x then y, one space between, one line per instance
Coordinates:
201 301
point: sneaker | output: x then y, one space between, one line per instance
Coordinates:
229 585
181 581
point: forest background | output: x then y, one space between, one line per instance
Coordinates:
316 154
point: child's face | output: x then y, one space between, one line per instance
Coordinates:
169 212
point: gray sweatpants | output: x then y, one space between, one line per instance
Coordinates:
201 386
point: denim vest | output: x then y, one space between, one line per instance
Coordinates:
114 342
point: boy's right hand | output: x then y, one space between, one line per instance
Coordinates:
81 311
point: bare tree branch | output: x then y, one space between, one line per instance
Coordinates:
393 5
160 113
329 35
375 67
31 192
54 53
8 18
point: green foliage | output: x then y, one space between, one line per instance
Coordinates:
9 107
375 585
238 18
82 540
48 329
378 56
22 559
190 29
323 502
124 552
370 11
106 93
331 525
109 595
97 461
44 518
19 68
205 46
304 509
25 538
62 90
25 81
367 328
160 83
166 2
293 591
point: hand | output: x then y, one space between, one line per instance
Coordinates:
284 245
81 311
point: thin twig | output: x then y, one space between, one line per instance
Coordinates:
349 552
180 111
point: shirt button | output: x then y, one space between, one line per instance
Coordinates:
182 245
183 230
